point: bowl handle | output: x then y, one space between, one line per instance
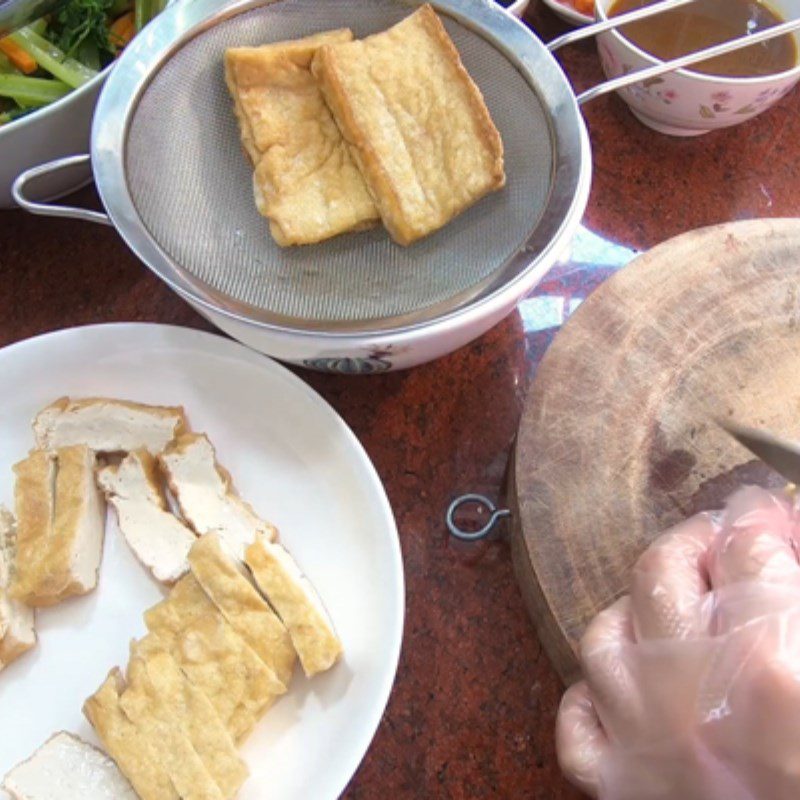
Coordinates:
49 209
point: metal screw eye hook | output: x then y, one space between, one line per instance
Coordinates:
474 536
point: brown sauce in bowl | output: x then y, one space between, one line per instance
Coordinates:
705 23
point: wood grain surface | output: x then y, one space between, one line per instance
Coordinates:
617 440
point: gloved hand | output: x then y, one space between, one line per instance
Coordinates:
691 685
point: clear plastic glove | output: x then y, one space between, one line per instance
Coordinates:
692 683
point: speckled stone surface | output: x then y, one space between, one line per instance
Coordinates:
473 709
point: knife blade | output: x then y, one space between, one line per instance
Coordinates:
783 455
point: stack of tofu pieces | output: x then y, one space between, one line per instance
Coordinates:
344 134
220 648
216 657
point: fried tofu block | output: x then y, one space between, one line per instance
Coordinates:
157 537
185 603
297 603
136 755
147 710
17 633
192 710
219 661
416 123
242 606
107 426
305 181
67 768
60 526
205 494
240 686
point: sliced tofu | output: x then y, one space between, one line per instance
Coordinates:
207 499
136 754
60 526
67 768
242 606
107 426
297 603
185 603
157 537
218 661
192 710
157 721
35 501
17 634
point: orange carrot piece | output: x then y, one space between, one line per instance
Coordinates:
18 57
123 29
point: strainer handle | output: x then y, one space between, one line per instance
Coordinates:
49 209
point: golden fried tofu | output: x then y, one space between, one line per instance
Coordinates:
214 657
153 718
304 180
60 526
136 755
186 602
415 121
154 671
295 599
217 660
242 606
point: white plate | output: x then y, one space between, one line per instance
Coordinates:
298 464
568 13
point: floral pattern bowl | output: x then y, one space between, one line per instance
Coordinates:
685 103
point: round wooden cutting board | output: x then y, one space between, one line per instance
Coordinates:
617 441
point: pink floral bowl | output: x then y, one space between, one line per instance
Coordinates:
685 103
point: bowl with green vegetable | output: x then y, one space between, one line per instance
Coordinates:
51 72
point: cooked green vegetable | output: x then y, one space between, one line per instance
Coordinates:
50 58
145 10
82 22
39 26
89 54
32 91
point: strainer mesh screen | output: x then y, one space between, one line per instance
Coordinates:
191 182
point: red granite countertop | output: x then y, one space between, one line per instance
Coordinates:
473 709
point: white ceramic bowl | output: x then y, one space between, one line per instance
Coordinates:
517 8
61 129
686 103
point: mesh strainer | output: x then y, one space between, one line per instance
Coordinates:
170 171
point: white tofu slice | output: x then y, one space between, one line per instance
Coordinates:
107 426
206 497
298 605
17 634
67 768
157 537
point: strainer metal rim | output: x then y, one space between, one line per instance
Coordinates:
567 200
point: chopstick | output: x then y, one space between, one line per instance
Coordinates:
688 60
609 24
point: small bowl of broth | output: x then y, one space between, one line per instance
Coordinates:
716 93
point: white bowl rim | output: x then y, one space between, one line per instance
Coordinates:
754 80
52 108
